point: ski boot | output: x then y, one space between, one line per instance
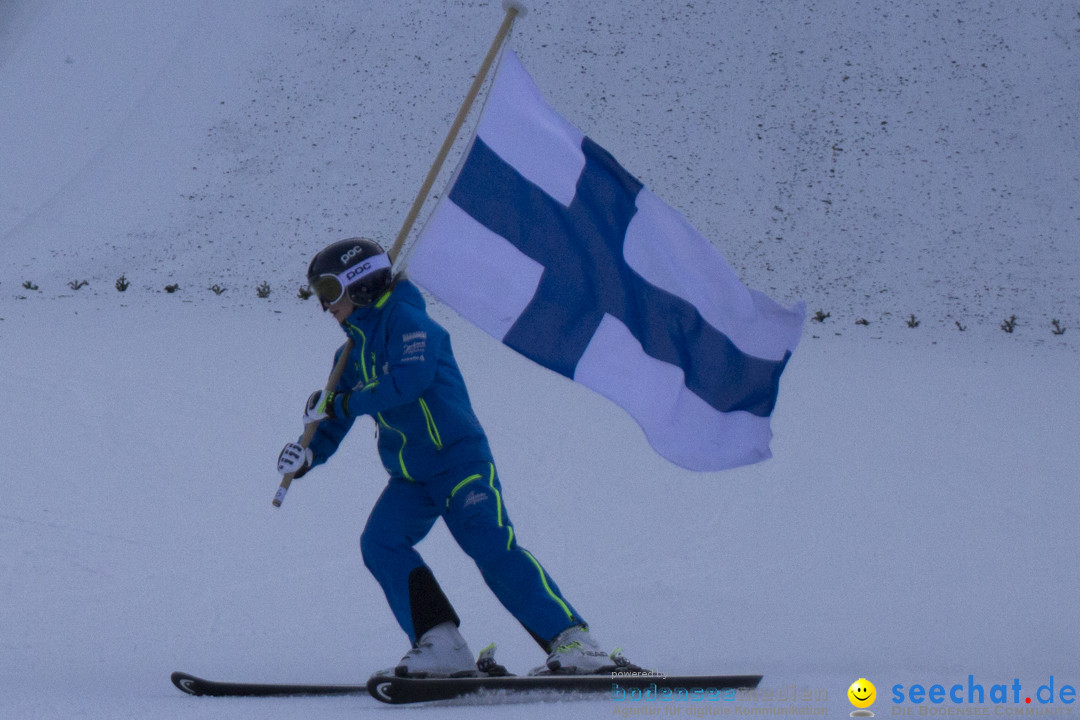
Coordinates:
440 652
575 652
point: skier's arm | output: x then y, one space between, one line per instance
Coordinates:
330 431
413 357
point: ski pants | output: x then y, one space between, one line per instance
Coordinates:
470 502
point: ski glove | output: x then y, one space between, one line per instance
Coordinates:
294 459
320 405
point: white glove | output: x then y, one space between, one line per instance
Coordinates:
294 459
320 405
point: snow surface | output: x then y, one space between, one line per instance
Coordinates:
918 523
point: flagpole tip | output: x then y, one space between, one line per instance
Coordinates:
522 11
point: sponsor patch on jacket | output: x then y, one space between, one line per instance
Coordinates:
415 343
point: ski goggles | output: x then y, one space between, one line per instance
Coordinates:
330 288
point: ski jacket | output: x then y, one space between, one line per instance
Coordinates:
401 371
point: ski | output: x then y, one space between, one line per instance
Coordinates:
619 686
198 686
395 690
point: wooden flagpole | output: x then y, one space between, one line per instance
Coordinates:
513 9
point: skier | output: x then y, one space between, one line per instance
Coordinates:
402 373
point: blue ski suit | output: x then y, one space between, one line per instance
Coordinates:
402 373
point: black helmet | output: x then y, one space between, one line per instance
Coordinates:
356 266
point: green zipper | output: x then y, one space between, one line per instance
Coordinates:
401 451
432 430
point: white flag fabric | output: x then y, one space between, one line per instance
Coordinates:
546 243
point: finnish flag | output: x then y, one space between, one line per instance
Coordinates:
546 243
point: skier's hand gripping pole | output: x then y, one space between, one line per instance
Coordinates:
309 429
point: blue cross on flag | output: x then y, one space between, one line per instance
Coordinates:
546 243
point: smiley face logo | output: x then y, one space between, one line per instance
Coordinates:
862 693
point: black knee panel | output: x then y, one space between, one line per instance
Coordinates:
427 602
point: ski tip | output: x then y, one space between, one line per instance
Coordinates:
186 683
380 687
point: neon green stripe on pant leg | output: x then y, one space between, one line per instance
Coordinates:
460 485
544 581
498 500
498 495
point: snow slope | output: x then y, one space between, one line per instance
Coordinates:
918 523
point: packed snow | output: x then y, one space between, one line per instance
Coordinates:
910 171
